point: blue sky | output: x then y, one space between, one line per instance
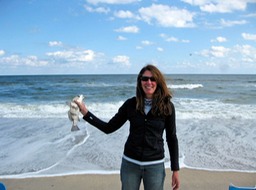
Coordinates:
121 36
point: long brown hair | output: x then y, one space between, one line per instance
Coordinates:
162 96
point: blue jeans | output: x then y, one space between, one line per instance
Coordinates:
152 176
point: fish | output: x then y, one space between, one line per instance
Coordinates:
73 113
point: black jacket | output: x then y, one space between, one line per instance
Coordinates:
145 141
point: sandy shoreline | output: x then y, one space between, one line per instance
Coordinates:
190 180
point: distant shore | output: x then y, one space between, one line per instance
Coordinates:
190 180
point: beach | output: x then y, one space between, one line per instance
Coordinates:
215 118
191 179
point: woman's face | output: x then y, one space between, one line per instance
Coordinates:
148 84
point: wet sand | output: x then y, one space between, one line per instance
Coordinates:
190 180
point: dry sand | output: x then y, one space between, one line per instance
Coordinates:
190 180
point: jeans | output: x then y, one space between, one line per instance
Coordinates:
152 176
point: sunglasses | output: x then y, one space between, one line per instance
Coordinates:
145 79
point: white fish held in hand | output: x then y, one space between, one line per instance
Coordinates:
73 113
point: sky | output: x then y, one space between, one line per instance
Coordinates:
122 36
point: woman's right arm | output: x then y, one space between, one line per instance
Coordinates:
107 127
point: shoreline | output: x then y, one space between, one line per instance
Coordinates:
191 179
114 172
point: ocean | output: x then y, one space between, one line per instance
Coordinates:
215 116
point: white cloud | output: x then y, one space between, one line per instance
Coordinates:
73 56
122 59
85 56
236 59
97 10
17 60
160 49
215 51
247 52
219 51
60 54
2 52
250 15
128 29
34 61
219 39
147 43
228 23
124 14
167 16
225 6
112 1
247 36
121 38
55 43
172 39
185 41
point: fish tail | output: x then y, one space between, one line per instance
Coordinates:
75 128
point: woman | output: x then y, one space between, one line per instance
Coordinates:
150 113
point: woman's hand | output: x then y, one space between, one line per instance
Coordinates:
82 107
175 180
